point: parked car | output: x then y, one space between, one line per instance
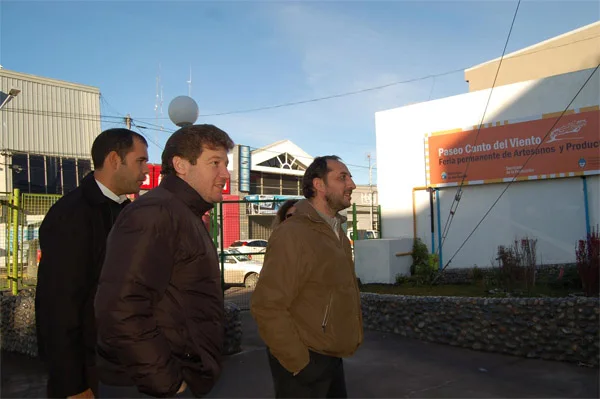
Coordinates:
240 269
250 246
363 235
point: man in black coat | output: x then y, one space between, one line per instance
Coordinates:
159 304
73 243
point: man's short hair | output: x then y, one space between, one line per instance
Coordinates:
318 168
189 142
119 140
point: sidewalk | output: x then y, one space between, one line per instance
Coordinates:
386 365
389 366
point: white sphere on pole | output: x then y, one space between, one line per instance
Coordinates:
183 111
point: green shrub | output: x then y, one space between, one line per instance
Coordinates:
420 256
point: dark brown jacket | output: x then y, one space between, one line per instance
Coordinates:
159 305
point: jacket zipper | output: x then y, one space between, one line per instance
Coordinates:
327 313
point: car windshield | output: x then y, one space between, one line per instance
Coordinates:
238 255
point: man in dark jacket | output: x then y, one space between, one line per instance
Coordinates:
73 241
159 305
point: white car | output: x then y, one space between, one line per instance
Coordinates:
250 246
239 268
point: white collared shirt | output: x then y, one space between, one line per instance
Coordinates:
119 199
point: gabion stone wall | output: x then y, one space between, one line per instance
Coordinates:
233 329
18 334
465 275
18 323
563 329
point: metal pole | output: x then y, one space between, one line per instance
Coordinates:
222 255
432 212
379 224
586 207
354 223
370 191
15 242
439 223
128 121
214 226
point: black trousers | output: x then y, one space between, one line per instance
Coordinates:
322 378
91 375
113 391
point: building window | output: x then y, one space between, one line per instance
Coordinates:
271 184
255 186
84 167
283 161
20 172
53 175
290 185
69 176
37 174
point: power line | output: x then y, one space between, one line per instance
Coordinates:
103 97
121 120
146 136
373 88
534 153
458 194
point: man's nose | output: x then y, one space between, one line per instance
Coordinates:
225 173
352 185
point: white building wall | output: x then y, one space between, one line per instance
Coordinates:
551 211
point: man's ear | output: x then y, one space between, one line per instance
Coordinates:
112 160
180 165
318 184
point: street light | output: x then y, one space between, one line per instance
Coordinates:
11 94
183 111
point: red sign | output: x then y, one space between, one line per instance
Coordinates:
227 188
153 179
157 177
530 150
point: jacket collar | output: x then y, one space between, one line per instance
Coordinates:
91 191
304 207
186 193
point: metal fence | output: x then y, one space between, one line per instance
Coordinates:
21 217
241 231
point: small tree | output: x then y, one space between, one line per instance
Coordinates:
588 262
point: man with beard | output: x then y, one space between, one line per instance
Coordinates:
307 303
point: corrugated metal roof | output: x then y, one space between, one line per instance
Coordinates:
49 116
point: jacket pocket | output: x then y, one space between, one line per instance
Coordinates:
327 313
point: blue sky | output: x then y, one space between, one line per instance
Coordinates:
253 54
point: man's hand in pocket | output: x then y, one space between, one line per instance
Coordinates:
182 388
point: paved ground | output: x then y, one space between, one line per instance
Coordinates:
240 296
386 365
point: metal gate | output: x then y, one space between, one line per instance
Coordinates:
241 230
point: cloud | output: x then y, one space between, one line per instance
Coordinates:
340 53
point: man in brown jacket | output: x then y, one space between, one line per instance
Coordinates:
307 303
159 305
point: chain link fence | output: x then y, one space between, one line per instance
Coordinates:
241 231
22 215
